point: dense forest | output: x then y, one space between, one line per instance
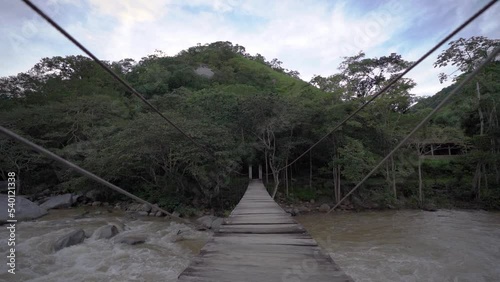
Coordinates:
244 109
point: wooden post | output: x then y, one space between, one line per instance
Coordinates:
420 198
267 170
260 172
393 170
286 176
249 171
310 170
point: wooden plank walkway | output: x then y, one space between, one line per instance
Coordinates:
261 242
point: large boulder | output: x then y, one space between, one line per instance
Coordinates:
130 239
324 208
73 238
58 202
206 221
145 207
217 223
210 222
25 209
143 213
105 232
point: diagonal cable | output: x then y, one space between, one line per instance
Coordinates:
82 171
393 81
113 74
422 123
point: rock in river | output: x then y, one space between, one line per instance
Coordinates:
131 239
105 232
25 209
210 222
73 238
217 223
59 201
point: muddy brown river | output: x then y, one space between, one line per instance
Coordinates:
446 245
369 246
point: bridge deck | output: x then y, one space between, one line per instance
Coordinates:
260 242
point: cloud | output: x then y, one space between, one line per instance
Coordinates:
130 12
308 36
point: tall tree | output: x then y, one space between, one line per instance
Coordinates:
466 55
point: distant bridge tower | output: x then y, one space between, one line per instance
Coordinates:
250 172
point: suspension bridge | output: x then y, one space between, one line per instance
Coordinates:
258 241
261 242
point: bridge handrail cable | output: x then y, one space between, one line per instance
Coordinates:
422 123
114 75
393 81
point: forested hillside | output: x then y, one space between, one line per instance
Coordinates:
248 110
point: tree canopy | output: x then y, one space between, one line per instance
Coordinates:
252 111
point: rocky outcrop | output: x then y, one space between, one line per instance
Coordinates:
25 209
105 232
59 201
73 238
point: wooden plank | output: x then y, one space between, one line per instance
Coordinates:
260 242
262 228
256 219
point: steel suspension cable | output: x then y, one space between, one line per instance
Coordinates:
113 74
82 171
119 79
393 81
423 122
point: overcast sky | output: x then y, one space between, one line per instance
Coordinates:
308 36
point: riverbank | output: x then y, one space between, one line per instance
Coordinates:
168 248
303 199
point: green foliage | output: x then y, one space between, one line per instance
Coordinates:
304 193
356 160
249 110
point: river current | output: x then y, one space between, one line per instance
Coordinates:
447 245
168 250
369 246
